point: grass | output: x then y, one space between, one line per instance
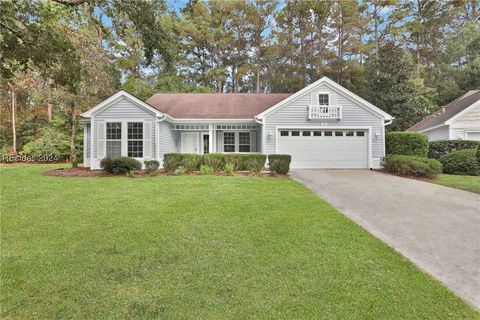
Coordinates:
197 248
469 183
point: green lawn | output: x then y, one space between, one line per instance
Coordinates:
197 248
469 183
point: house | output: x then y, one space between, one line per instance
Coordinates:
321 126
459 120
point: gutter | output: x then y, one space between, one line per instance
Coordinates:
258 120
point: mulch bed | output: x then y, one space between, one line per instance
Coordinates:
86 172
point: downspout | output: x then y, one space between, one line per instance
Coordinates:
261 121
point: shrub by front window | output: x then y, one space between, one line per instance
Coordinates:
151 166
461 162
106 164
125 165
412 166
406 143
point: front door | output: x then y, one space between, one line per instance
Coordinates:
189 142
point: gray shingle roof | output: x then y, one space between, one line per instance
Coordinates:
447 112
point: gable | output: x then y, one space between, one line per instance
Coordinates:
304 97
123 103
470 117
124 108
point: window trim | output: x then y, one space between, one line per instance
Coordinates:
234 142
326 94
113 140
243 144
141 140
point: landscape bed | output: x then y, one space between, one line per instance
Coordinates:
202 247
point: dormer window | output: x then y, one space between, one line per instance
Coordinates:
323 99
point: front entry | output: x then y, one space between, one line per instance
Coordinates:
189 142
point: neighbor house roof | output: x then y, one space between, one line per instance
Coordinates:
447 112
214 105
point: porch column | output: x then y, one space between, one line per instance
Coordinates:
211 137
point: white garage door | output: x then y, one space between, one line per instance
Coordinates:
314 148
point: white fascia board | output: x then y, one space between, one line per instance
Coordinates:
120 94
434 127
473 105
336 86
216 121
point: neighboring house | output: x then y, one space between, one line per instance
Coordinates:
322 126
460 119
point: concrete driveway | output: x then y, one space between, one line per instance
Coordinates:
436 227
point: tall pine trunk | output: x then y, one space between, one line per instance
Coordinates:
73 136
14 123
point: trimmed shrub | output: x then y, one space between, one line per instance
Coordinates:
107 164
214 160
229 169
206 170
279 163
439 148
406 143
125 165
190 162
254 162
412 166
180 171
478 155
151 166
461 162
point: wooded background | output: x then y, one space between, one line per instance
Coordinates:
62 57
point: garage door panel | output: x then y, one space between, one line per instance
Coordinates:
325 151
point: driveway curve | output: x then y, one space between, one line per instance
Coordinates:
436 227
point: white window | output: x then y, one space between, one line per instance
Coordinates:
229 142
114 139
244 141
323 99
135 139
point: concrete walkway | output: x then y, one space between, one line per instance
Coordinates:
436 227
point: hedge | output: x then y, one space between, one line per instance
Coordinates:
189 161
253 162
412 166
461 162
439 148
406 143
279 163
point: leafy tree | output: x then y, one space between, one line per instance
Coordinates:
393 89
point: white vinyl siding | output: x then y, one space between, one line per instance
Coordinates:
295 113
438 134
124 111
166 140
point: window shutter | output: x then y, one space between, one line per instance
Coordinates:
333 99
101 139
253 141
147 140
314 99
220 142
